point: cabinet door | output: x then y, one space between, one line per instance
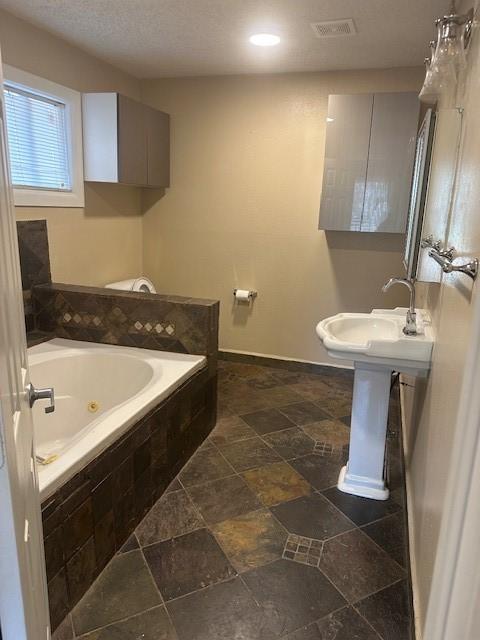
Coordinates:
132 142
158 147
390 162
346 155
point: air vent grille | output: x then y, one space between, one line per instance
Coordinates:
334 28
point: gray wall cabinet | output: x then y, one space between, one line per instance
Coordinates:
369 154
125 141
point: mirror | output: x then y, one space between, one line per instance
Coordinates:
441 183
418 193
435 167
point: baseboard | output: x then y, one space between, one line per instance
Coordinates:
269 360
410 520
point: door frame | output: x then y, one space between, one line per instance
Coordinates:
453 611
23 585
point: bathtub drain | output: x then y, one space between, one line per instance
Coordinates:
93 406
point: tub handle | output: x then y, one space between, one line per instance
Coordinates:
41 394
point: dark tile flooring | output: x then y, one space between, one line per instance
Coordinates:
252 541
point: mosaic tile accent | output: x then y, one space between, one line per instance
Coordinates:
327 450
85 319
323 448
303 550
151 321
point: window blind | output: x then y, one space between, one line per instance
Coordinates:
37 140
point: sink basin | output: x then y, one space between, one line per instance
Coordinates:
378 337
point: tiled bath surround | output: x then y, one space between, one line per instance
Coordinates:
34 262
88 519
130 319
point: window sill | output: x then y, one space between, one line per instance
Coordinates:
39 198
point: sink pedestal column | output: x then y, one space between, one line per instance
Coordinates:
363 474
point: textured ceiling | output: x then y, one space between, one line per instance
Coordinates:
159 38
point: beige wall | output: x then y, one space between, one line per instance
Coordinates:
433 405
103 241
242 210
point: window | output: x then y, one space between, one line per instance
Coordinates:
44 141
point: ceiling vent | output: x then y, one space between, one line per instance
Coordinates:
334 28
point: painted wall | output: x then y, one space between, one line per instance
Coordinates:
102 242
432 405
242 210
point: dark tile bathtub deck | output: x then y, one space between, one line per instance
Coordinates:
253 541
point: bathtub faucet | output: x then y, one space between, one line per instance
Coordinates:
41 394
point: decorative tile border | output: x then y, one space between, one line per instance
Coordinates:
151 321
82 319
303 550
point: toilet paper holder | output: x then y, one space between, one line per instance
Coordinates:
251 295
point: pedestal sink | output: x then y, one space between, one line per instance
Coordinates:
377 345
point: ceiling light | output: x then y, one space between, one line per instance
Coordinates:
264 39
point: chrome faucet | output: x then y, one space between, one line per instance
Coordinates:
410 328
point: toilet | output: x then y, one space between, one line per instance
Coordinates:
142 284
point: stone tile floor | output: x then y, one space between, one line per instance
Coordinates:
252 541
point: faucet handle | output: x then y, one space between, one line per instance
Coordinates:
41 394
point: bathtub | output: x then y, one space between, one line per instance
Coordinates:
100 391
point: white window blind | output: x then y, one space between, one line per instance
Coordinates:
37 140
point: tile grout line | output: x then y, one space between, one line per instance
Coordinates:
382 549
355 604
367 622
165 602
345 606
91 586
359 528
134 615
208 586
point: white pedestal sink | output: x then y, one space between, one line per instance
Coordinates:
376 343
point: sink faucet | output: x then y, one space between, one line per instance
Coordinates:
410 328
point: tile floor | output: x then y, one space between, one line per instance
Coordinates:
253 541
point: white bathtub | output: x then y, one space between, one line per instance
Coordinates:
124 383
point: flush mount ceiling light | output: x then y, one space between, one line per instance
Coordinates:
264 39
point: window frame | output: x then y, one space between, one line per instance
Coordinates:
31 197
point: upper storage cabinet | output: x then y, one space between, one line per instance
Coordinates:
349 121
125 141
369 153
158 147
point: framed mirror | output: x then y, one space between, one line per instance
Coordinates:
418 193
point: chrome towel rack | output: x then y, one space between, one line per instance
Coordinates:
445 258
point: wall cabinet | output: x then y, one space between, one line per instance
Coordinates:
369 154
125 141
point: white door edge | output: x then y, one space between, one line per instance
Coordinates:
453 611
